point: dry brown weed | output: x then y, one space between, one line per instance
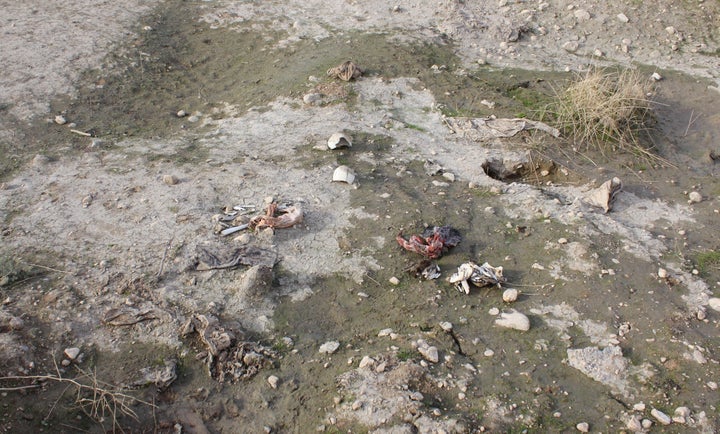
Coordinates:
606 110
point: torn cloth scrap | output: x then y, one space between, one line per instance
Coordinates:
482 129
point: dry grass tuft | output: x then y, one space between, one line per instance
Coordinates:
100 401
606 110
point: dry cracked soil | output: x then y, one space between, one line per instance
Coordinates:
132 132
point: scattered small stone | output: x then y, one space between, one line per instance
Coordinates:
640 406
170 179
446 326
695 197
656 77
430 353
72 353
582 15
712 385
385 332
394 281
416 396
494 311
714 303
514 320
181 113
489 353
583 427
65 362
329 347
366 362
571 46
60 120
461 396
662 273
646 423
660 416
682 412
562 241
312 98
273 381
449 176
634 424
622 18
510 295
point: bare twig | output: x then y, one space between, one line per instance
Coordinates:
96 399
162 261
45 267
690 122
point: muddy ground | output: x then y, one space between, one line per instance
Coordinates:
110 196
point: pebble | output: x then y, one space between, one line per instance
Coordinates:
583 427
622 18
449 176
416 396
329 347
312 98
662 273
510 295
273 381
366 362
170 179
640 406
571 46
514 320
40 160
385 332
634 424
582 15
446 326
60 120
660 416
695 197
394 280
494 311
646 423
430 353
682 411
656 77
562 241
72 353
181 113
489 353
712 385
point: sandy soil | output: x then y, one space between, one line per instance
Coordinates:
107 211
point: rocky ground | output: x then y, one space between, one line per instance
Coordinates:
131 129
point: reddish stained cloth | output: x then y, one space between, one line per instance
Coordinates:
432 243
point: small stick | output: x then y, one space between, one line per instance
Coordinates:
82 133
376 282
162 261
46 268
690 122
10 389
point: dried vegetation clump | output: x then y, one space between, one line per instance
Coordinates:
606 110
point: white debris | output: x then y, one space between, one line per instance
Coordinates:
695 197
660 416
510 295
329 347
514 320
